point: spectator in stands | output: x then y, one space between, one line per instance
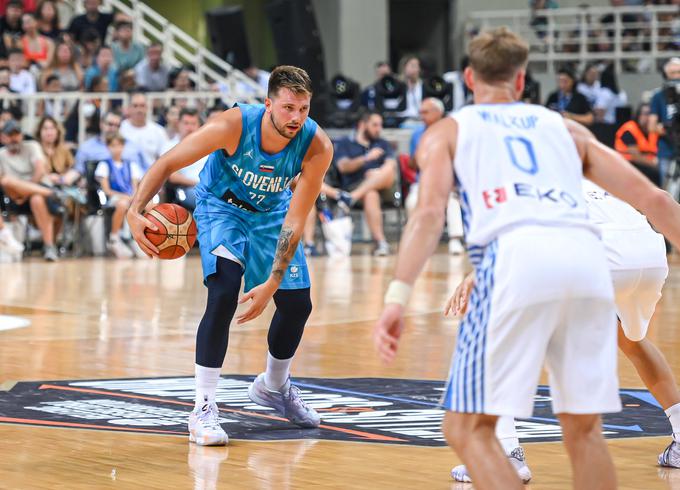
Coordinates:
589 85
259 76
91 19
22 168
462 95
610 97
628 20
21 80
638 145
58 157
185 179
569 102
119 177
127 82
539 22
126 52
52 107
103 67
367 166
89 46
431 111
172 124
47 17
64 66
10 24
8 243
94 149
4 80
151 73
181 82
409 70
37 48
369 94
659 119
138 129
66 13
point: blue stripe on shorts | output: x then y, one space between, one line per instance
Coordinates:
465 387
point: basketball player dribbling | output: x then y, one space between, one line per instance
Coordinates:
250 224
543 292
636 256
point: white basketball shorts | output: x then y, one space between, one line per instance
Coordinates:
637 259
542 295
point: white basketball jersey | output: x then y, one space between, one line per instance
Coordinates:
516 164
607 211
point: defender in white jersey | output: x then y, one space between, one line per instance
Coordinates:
636 256
543 292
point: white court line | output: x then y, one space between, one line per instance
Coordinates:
11 322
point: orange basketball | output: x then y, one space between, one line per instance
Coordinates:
176 232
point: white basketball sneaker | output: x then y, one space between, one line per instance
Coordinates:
204 426
286 402
516 457
670 457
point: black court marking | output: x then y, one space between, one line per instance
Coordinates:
392 411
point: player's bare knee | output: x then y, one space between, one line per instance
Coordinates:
581 428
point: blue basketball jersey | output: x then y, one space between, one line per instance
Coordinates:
251 176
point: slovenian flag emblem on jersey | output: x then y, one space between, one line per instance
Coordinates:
267 168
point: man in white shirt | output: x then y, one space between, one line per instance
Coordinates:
137 129
21 80
185 179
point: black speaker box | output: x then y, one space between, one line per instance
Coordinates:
227 31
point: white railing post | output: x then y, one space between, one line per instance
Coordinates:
138 20
199 67
655 36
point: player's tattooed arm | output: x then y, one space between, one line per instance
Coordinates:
285 250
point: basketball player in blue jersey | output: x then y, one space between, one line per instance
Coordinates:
249 224
543 293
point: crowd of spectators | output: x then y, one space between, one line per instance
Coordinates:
46 175
600 34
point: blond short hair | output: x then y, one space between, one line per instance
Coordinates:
496 55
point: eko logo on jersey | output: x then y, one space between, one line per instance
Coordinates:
521 190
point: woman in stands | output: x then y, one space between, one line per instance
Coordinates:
47 17
37 48
64 64
58 156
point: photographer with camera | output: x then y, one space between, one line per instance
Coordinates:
665 105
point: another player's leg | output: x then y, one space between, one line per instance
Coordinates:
591 463
638 291
657 376
211 347
273 388
473 437
509 440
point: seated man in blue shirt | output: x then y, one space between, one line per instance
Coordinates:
95 149
367 166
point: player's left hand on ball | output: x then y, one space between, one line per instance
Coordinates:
387 331
260 297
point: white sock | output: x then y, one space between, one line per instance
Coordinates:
206 384
673 414
277 372
507 434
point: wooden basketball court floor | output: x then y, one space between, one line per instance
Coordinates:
101 319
